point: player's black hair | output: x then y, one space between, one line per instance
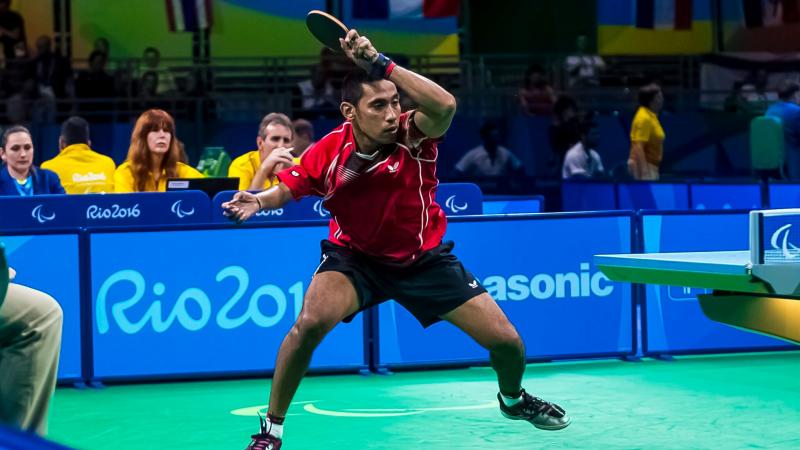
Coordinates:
353 85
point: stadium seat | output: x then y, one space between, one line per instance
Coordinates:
214 162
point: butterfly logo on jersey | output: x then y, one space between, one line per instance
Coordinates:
393 168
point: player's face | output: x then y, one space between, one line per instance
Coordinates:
158 141
18 152
378 111
276 136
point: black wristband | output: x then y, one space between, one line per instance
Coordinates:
379 66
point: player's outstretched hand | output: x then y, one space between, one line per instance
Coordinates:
359 49
242 207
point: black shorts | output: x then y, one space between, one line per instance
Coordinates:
433 285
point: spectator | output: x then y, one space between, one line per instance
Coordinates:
153 156
52 71
537 96
81 169
582 161
19 176
316 96
647 135
582 68
28 105
787 109
30 344
560 133
12 32
95 84
165 82
490 159
303 137
256 170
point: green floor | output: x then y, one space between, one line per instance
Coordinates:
714 402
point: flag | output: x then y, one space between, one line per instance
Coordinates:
664 14
189 15
404 9
769 13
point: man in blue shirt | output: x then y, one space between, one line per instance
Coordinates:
788 111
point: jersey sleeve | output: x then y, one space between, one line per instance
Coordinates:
307 177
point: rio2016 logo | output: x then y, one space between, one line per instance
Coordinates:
115 211
270 213
123 280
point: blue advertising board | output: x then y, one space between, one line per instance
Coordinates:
674 321
726 196
513 205
43 212
454 198
540 272
308 208
206 301
644 195
784 195
49 263
460 199
579 195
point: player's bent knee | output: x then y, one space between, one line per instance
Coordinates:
311 329
508 343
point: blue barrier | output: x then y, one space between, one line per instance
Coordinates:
725 196
44 212
513 204
645 195
49 262
672 319
784 195
460 199
41 212
13 439
206 301
309 208
454 198
538 268
579 195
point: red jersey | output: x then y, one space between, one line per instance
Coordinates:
381 204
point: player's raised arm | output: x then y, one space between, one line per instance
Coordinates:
436 106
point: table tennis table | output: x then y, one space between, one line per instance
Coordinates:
756 289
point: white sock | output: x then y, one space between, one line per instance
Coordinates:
511 401
274 429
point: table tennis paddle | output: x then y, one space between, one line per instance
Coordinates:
326 28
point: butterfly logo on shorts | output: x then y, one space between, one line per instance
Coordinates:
473 284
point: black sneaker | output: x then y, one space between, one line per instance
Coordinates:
543 415
264 440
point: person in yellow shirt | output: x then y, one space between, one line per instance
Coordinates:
153 156
647 135
81 169
256 169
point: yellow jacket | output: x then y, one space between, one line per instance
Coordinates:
82 170
124 182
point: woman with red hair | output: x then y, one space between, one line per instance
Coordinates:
154 156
